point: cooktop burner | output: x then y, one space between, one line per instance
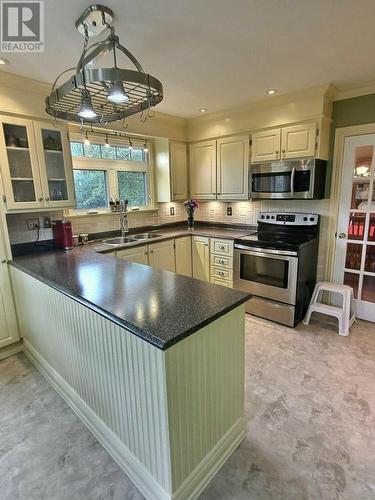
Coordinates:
280 240
283 231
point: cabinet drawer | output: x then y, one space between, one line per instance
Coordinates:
216 281
224 247
223 274
221 261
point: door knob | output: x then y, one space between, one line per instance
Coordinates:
3 261
342 236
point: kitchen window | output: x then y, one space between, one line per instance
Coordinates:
103 172
91 188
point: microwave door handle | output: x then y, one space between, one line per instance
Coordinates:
292 181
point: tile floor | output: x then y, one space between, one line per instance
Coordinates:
310 409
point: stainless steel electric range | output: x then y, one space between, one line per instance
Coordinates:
278 264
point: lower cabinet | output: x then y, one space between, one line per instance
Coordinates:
183 256
201 257
8 320
222 262
161 255
137 254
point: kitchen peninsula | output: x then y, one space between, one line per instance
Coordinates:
151 361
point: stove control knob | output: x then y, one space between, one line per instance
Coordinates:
268 216
272 216
312 219
305 219
262 216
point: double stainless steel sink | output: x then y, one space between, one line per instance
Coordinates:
131 239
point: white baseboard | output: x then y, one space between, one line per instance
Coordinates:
191 487
10 350
197 481
132 467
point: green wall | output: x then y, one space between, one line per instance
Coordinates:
346 113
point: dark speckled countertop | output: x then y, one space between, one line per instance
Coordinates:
159 306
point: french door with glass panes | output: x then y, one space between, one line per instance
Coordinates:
355 238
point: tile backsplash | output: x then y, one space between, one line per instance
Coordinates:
244 212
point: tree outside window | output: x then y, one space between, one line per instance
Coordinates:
132 187
90 188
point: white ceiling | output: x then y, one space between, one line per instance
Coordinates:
218 54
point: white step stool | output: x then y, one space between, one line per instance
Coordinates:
345 314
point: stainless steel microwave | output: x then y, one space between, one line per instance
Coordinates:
290 179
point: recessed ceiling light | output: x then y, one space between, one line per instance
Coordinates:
271 91
203 110
3 60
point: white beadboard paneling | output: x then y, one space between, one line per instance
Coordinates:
205 380
169 418
105 366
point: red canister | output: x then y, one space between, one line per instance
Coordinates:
62 234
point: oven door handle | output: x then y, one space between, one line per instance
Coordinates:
293 174
260 251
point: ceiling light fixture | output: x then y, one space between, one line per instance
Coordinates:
86 111
103 95
87 140
107 145
117 93
4 61
145 148
203 110
130 145
271 91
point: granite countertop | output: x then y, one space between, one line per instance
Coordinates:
159 306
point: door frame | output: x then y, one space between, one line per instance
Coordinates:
336 183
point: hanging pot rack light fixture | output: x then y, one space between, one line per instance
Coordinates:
103 95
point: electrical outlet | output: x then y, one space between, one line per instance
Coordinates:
32 224
229 211
171 210
47 222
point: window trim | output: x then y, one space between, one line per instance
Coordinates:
112 167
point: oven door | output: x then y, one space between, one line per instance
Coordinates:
271 274
272 180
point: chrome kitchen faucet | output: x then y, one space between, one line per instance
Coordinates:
124 224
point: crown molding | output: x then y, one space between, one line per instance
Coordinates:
269 102
354 91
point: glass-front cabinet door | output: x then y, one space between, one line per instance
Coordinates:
55 163
20 171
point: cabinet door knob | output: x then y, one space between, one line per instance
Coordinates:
276 152
221 247
283 151
40 199
342 236
3 261
47 199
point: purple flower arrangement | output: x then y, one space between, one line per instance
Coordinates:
190 206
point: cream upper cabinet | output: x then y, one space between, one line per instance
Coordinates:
179 171
161 255
183 255
202 162
266 145
298 141
171 170
136 254
55 163
232 168
283 143
20 171
36 165
201 257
